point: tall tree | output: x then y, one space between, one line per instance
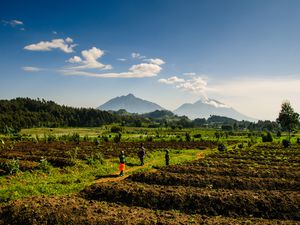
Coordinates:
288 118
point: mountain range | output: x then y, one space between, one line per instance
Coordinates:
203 108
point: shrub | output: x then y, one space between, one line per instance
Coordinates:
117 138
115 129
105 138
75 137
221 147
240 145
13 166
50 137
44 165
149 138
187 137
298 140
286 143
278 134
197 135
267 138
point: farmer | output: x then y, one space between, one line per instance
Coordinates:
167 158
142 153
122 163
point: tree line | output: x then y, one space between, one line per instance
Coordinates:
27 113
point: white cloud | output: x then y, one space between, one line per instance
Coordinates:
90 60
189 74
31 69
75 59
156 61
122 59
194 85
13 23
54 32
63 45
215 103
69 40
135 71
171 80
136 55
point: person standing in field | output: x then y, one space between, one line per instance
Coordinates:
142 153
167 158
122 163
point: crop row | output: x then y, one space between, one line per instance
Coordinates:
261 172
75 210
229 162
258 158
216 182
265 204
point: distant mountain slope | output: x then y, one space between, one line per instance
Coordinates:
131 104
206 108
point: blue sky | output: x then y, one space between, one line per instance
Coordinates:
243 53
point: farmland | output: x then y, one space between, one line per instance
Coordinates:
59 177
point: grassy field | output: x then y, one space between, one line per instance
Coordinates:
59 181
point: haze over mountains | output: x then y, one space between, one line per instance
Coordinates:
203 108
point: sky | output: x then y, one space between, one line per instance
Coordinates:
243 53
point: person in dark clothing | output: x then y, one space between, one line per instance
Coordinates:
167 158
142 153
122 163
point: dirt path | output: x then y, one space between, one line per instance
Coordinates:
115 177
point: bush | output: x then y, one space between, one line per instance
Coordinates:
240 145
117 138
286 143
267 138
75 137
221 147
105 138
187 137
149 138
278 134
13 166
197 135
115 129
44 165
298 140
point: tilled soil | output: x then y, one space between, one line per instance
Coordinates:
76 210
211 202
216 181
